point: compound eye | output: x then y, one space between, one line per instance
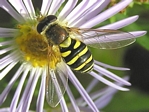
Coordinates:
43 23
40 27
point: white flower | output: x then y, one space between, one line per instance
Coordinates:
16 50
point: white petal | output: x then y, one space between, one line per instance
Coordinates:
89 88
77 11
63 105
67 9
110 75
109 66
45 6
55 6
41 95
72 99
100 4
8 42
91 85
26 91
7 49
107 96
138 33
5 109
94 96
29 97
105 100
7 62
107 82
7 32
2 35
20 7
12 57
7 7
7 69
106 14
16 96
30 8
4 94
82 91
121 23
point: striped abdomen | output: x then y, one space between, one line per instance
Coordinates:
76 55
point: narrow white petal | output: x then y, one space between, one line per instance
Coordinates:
91 85
29 97
88 89
4 109
26 91
109 66
41 95
30 8
7 69
100 4
45 6
67 9
12 57
107 90
138 33
99 93
16 96
108 95
82 91
7 7
72 99
55 5
106 14
7 62
121 23
105 100
64 79
6 50
77 11
105 81
4 43
96 95
110 75
20 7
7 32
8 35
4 94
89 12
63 105
7 109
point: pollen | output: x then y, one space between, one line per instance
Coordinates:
35 48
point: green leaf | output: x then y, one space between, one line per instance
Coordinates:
131 101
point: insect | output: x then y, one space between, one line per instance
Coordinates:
74 51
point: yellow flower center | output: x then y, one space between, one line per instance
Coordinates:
35 48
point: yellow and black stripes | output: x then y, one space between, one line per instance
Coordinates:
76 55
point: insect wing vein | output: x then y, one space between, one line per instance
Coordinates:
56 84
104 38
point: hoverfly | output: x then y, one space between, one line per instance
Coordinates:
74 51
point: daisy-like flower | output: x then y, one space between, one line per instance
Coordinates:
101 98
26 47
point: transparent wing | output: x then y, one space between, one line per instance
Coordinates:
56 83
103 38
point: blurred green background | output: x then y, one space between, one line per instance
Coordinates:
135 57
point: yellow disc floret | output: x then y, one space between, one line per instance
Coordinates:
35 49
